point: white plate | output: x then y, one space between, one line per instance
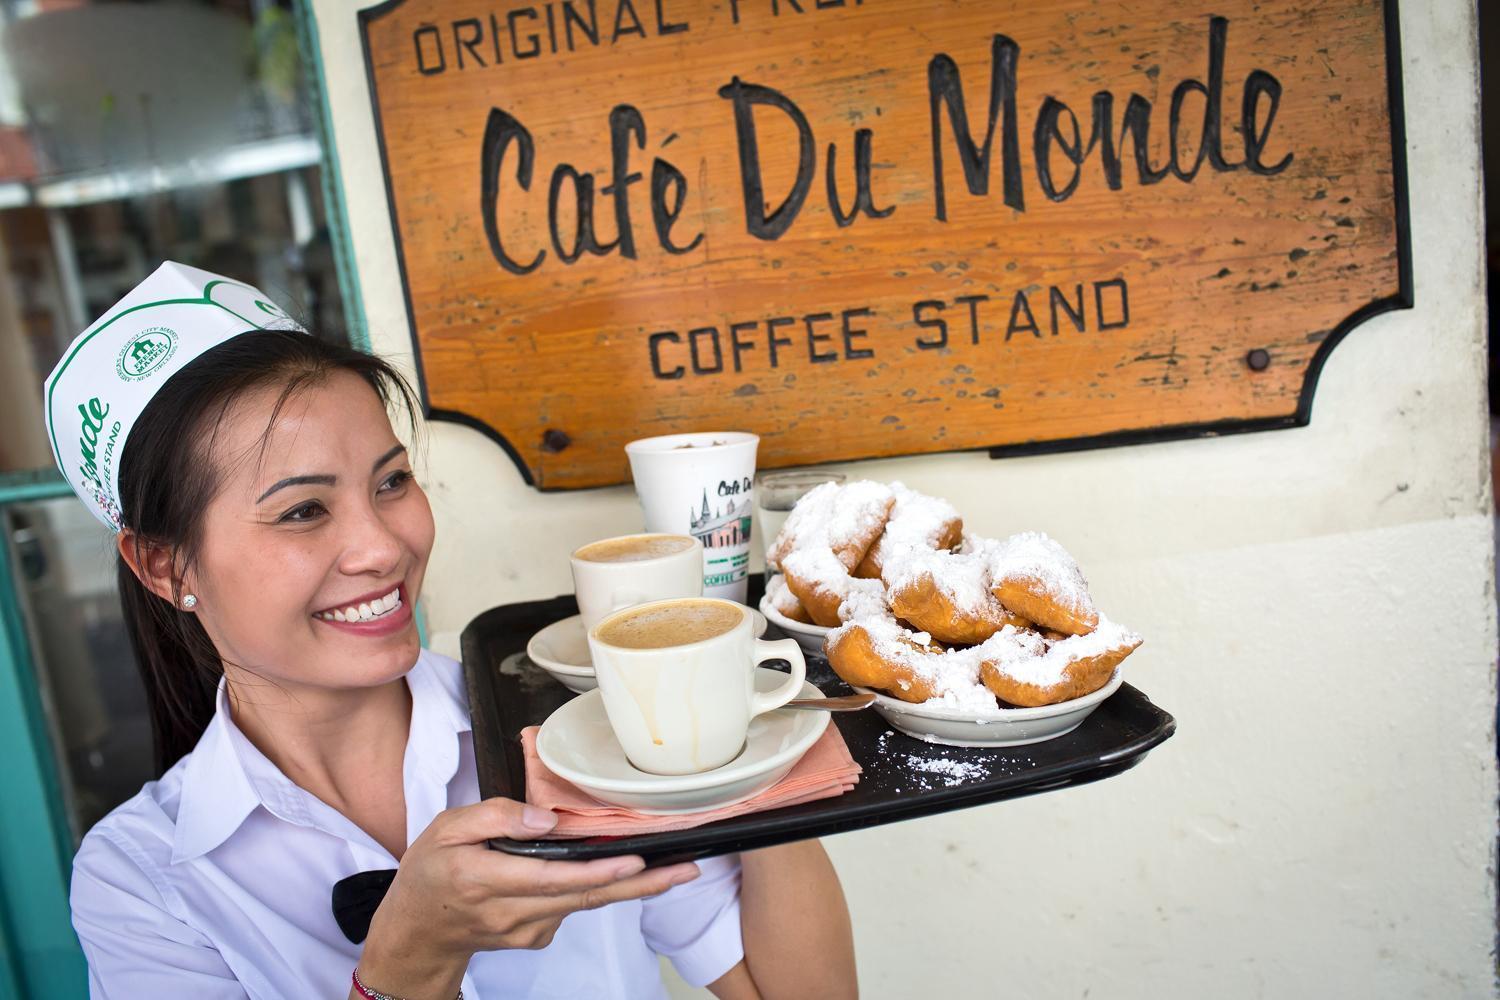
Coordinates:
809 637
562 649
577 744
1004 727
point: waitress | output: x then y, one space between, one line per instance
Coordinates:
272 544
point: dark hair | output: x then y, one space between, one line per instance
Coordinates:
166 483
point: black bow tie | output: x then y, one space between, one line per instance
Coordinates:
355 899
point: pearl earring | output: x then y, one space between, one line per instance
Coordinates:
189 602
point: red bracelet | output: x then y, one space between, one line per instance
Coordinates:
370 994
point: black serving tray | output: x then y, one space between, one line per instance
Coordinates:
903 777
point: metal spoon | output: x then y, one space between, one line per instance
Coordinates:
847 703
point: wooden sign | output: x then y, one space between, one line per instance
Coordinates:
883 227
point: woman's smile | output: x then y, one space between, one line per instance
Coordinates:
374 614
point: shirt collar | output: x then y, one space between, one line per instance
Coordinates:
216 792
226 777
439 713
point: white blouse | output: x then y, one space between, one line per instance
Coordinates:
215 882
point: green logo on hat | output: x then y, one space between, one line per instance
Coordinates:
145 353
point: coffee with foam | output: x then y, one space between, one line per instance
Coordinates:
678 623
634 548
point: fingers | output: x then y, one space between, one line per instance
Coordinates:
620 878
564 886
559 878
520 919
647 883
495 817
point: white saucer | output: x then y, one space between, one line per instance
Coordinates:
577 744
1004 727
809 637
562 649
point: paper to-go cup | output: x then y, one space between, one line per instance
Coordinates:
702 485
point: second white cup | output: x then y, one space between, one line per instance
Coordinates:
621 572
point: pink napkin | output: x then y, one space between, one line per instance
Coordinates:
824 771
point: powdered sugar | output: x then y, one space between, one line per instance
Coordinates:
817 565
835 517
964 578
1031 555
1050 666
917 521
822 569
864 599
954 766
950 772
954 673
781 598
860 511
963 696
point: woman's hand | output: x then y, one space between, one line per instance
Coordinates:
453 896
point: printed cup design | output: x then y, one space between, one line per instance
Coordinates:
702 485
728 529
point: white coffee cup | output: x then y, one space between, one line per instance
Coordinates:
685 707
702 485
619 572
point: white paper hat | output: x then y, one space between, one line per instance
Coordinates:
110 372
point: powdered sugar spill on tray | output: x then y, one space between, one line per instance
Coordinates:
959 767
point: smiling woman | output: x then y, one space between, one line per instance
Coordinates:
272 543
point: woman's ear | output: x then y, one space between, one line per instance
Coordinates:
151 564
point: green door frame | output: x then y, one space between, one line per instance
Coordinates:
335 207
39 954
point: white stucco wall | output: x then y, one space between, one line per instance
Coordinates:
1319 615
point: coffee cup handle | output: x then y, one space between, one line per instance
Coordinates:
779 649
